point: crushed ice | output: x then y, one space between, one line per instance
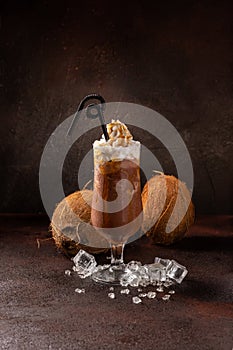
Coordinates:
111 295
67 272
125 291
136 300
79 290
162 273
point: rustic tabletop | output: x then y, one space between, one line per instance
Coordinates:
40 309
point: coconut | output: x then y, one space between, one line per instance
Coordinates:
168 211
71 228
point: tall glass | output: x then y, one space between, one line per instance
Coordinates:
116 206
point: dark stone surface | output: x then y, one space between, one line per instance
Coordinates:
175 57
40 310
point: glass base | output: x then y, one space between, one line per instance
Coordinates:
109 275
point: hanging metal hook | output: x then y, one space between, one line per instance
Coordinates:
93 111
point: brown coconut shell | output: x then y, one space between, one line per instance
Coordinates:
70 225
168 200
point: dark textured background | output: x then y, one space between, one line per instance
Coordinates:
172 56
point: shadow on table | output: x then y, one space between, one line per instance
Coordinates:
207 290
205 244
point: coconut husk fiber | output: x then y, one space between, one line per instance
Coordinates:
167 209
71 228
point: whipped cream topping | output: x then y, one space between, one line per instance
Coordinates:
119 146
119 134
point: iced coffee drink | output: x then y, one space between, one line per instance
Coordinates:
116 206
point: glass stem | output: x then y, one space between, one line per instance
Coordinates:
117 254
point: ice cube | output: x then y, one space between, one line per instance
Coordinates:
134 282
156 272
67 272
165 262
85 263
79 291
151 295
136 300
143 271
176 272
144 277
133 266
159 289
131 279
166 297
171 292
142 295
125 291
111 295
124 280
